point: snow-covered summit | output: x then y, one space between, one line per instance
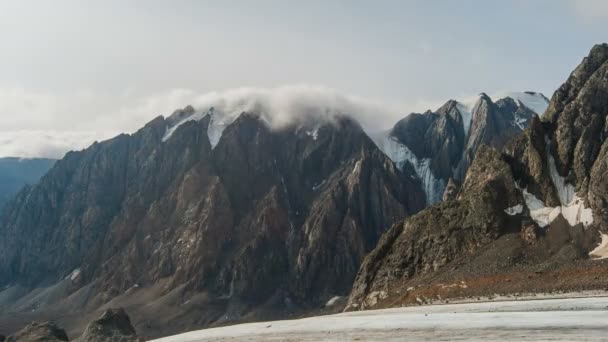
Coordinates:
537 102
306 106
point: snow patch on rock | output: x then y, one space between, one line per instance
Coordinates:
574 212
333 301
217 124
194 117
356 168
572 206
565 191
536 102
314 134
601 251
467 116
74 275
515 210
520 121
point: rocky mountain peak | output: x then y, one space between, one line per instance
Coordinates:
248 223
568 91
441 145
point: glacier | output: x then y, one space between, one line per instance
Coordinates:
400 154
546 318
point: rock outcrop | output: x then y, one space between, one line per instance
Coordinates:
451 190
39 332
114 325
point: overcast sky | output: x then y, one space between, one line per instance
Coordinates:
74 71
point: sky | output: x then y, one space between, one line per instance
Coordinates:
72 72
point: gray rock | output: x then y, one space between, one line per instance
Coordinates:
39 332
451 190
114 325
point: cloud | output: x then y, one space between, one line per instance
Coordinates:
83 110
38 124
41 124
47 144
590 9
287 105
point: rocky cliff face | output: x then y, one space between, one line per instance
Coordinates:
538 205
255 219
441 145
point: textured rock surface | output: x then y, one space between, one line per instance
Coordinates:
114 325
488 235
39 332
492 124
451 190
434 237
255 221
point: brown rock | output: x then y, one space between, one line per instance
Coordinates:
529 233
114 325
39 332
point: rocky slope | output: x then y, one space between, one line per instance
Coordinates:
17 172
525 219
210 225
440 145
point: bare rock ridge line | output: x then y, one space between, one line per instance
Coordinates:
535 211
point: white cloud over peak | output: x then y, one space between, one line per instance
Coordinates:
37 124
285 105
47 143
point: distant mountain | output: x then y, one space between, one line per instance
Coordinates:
533 218
17 172
440 145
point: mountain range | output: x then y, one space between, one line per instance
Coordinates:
530 219
215 217
441 145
